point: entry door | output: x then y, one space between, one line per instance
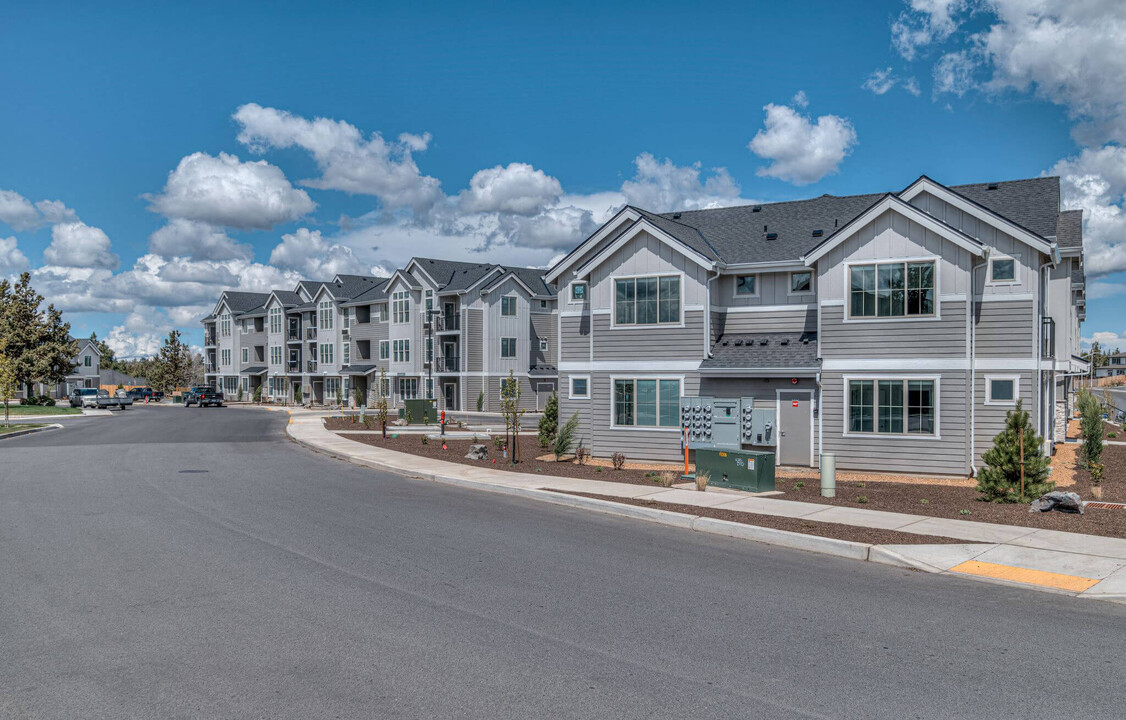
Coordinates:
450 390
543 392
795 436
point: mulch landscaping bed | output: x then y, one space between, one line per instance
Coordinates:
530 448
872 536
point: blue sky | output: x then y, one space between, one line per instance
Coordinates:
185 152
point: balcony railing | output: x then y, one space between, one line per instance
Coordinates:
447 323
293 334
310 366
447 363
1047 338
293 366
209 338
310 333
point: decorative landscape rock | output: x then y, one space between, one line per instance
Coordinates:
477 452
1067 502
399 422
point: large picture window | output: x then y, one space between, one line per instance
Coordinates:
401 350
647 300
326 313
892 407
327 351
645 402
900 289
275 320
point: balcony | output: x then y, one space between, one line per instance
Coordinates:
310 366
293 366
293 334
447 323
1047 338
310 333
447 363
209 339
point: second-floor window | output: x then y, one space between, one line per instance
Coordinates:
326 314
275 355
401 350
225 357
225 324
384 349
508 347
508 306
801 282
326 353
543 344
400 307
346 353
578 292
86 361
246 355
647 300
902 289
275 320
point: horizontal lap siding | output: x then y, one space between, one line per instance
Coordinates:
473 341
1004 329
989 420
492 393
772 321
568 407
946 455
574 345
544 326
763 391
944 337
651 342
633 443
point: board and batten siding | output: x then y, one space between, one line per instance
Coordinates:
773 288
1004 329
881 339
989 420
800 319
655 342
646 255
947 454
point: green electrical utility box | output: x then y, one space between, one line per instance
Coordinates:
421 412
741 469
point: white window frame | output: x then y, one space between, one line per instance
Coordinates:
245 355
401 350
508 299
846 315
647 326
543 345
225 325
645 428
404 382
327 354
500 387
1015 257
989 379
514 350
876 406
325 314
790 283
86 361
571 293
400 307
385 350
735 286
275 320
571 387
346 353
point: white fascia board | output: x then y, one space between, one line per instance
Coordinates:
643 225
760 372
891 202
601 234
775 266
925 184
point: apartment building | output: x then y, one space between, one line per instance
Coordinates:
440 329
893 329
1115 365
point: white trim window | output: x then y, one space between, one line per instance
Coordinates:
897 289
580 387
326 314
646 402
86 361
384 349
408 388
381 312
401 351
647 300
508 306
892 406
327 351
1003 270
508 347
543 345
385 387
746 286
245 355
429 300
332 388
275 355
1002 389
400 307
346 353
801 282
225 324
275 320
579 292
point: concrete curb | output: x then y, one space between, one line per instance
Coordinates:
711 526
30 431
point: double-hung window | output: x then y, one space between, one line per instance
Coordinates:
246 355
899 289
892 407
275 320
508 347
508 306
400 307
326 313
408 388
401 350
429 301
326 353
647 402
86 361
649 300
225 324
346 353
384 349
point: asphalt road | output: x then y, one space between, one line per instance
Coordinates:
187 563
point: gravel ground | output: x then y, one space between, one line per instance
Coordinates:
838 531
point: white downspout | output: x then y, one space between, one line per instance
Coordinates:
973 357
708 314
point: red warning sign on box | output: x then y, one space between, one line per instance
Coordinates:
795 403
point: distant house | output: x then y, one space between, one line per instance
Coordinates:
1115 365
84 375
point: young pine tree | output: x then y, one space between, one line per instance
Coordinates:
999 481
549 423
1091 426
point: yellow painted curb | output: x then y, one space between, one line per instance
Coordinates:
1074 583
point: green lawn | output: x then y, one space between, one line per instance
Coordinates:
21 410
14 428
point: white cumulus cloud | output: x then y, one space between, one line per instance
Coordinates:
519 189
11 257
309 254
661 186
924 23
198 240
1095 182
228 192
78 245
802 151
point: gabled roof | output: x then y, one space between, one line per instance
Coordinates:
84 343
456 276
1069 230
1033 203
375 293
241 302
286 298
346 287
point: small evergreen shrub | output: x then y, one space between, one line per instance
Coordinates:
481 401
549 423
1000 480
564 439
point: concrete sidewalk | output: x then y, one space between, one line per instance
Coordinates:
1082 565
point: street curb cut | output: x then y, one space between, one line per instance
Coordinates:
711 526
30 431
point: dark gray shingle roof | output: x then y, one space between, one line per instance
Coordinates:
358 369
351 286
287 298
375 293
1069 229
764 351
452 275
240 302
1034 204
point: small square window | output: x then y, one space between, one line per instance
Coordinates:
1002 391
745 285
580 387
1003 270
543 304
801 282
543 344
578 292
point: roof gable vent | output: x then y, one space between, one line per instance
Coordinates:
772 236
676 216
756 208
992 186
818 233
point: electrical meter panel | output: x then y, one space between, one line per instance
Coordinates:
713 422
758 426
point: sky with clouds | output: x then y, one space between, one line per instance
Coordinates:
151 157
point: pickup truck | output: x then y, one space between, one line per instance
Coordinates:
203 395
145 394
95 398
